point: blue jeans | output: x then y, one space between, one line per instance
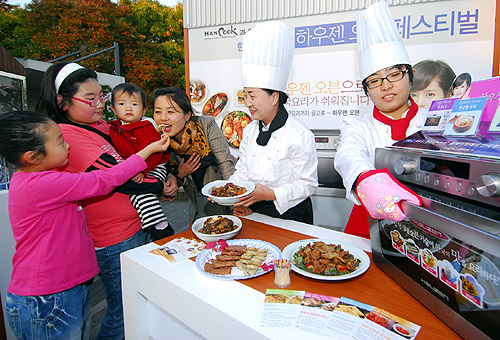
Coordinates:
63 315
109 262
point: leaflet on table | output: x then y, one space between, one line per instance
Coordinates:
179 249
332 317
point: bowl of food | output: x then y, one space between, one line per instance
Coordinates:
227 192
463 123
214 228
403 330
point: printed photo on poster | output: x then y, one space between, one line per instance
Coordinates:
465 117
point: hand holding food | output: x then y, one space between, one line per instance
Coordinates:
261 193
160 145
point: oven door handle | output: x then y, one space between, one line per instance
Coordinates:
465 226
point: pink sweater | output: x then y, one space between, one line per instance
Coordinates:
54 250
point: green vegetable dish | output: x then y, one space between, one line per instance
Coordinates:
325 259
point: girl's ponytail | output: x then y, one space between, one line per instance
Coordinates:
22 131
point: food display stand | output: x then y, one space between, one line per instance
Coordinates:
179 302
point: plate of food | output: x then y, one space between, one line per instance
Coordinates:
354 260
198 90
227 192
215 104
213 228
232 126
241 259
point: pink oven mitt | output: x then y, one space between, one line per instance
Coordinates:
379 193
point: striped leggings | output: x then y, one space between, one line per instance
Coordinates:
149 209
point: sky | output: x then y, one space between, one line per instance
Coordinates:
24 2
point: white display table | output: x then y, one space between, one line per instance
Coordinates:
176 301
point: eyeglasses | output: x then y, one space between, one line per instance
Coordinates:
391 78
95 102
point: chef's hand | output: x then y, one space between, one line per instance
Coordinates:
242 211
261 193
186 168
170 188
380 193
139 178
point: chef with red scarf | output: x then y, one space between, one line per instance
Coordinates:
387 77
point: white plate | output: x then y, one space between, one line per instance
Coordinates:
207 190
273 253
409 330
198 225
292 248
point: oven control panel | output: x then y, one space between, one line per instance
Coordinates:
468 177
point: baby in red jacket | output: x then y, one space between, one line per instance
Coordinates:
131 132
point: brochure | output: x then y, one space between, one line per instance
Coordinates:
465 117
179 249
333 317
438 116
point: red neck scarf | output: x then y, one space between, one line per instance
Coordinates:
399 126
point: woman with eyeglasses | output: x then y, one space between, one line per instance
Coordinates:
71 95
387 78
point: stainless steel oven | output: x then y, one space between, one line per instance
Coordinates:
331 208
447 253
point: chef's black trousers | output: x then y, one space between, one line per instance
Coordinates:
302 212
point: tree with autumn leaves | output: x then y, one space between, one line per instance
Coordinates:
149 34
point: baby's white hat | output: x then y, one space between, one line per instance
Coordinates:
379 42
267 56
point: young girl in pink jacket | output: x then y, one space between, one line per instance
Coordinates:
55 261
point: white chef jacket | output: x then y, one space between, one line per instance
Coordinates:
360 136
287 164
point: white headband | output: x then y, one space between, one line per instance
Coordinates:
64 73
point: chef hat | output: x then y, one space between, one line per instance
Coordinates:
379 42
267 56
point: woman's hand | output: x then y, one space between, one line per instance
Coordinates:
139 178
261 193
186 168
170 189
242 211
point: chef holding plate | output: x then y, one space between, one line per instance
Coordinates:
277 152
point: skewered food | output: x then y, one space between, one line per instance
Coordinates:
228 190
218 225
325 259
161 128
